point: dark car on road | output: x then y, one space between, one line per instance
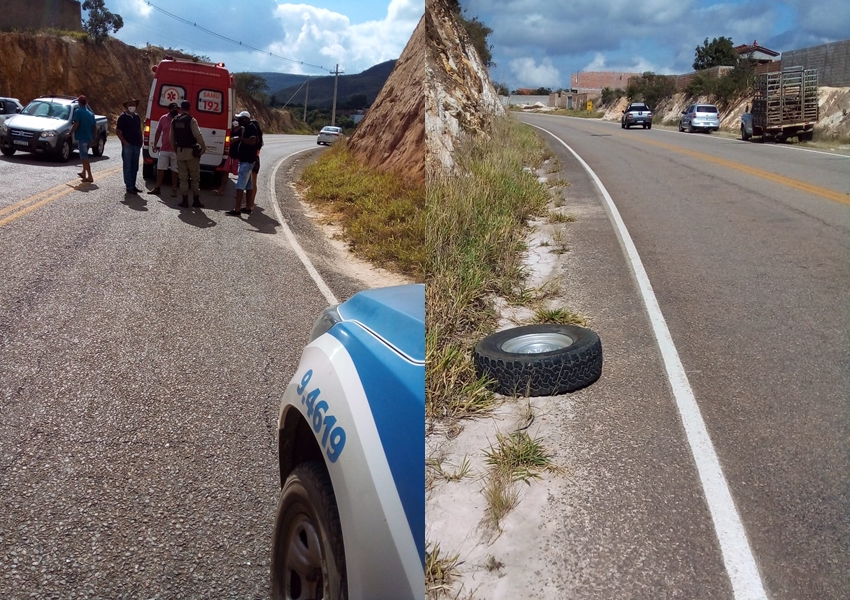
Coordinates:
637 113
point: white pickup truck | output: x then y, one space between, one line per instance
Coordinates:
44 127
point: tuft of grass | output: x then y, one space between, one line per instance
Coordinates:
560 316
559 217
453 389
440 570
501 495
383 214
477 222
518 456
461 472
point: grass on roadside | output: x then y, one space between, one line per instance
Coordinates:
559 316
382 213
516 457
440 570
475 238
583 114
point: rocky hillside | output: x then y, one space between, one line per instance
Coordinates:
37 64
392 135
459 97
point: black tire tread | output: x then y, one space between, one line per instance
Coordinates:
546 374
312 474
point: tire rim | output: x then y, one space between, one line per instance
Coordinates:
304 575
100 145
537 343
66 150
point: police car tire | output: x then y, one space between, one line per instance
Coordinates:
568 368
308 492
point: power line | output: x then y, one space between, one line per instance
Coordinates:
227 39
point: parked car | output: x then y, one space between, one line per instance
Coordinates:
351 517
328 135
636 113
700 116
9 107
44 127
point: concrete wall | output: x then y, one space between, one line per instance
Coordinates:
40 14
682 81
596 80
831 60
517 99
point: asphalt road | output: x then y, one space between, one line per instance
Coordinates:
747 248
143 353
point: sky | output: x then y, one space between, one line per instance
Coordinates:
540 43
354 35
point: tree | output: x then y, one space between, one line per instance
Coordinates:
251 84
717 52
501 89
651 88
101 21
477 31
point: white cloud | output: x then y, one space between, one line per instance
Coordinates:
530 74
326 38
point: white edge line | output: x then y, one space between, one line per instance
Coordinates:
737 555
320 283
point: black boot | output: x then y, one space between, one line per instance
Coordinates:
185 203
197 202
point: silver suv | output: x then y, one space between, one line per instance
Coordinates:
636 113
700 116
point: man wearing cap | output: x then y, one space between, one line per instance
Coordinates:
84 131
247 156
167 157
187 141
129 131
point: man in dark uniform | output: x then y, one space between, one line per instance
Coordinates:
189 145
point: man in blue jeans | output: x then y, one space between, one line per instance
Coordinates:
84 132
129 131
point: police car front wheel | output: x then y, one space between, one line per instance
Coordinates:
308 559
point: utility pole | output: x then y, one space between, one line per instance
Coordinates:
336 80
306 92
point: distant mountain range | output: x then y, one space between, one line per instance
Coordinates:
321 89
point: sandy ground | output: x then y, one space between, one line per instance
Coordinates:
491 559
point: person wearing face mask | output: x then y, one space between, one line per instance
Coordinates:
167 156
231 164
129 131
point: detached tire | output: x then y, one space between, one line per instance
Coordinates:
308 557
540 360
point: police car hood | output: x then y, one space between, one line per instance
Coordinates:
394 314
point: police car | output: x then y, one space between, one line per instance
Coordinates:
351 517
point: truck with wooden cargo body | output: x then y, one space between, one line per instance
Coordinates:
785 104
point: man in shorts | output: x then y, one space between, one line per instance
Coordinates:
247 157
84 131
167 156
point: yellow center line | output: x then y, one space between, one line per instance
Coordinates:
841 197
27 205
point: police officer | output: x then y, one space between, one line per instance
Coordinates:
189 145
